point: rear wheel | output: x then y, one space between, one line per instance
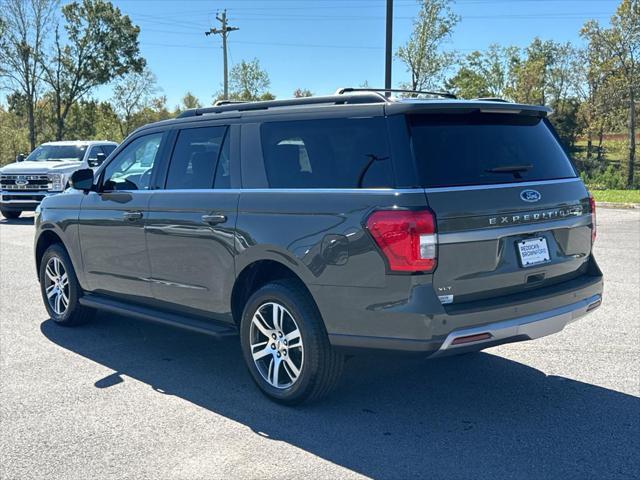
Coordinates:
285 345
10 214
60 289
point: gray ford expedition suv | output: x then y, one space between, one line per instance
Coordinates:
319 226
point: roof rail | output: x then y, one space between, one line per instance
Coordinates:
492 99
235 106
228 102
342 91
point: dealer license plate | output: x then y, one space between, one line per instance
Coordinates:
533 251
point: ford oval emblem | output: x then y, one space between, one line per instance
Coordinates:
530 195
22 182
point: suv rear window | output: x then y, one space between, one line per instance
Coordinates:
485 148
327 153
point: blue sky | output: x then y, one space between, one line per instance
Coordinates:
324 44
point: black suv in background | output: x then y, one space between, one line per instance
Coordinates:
325 225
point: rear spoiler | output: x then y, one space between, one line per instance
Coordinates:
466 106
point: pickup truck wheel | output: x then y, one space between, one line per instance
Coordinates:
285 345
10 214
60 288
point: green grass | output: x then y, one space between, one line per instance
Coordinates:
617 196
614 150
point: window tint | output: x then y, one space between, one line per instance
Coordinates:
131 169
329 153
223 172
107 149
194 158
484 148
93 153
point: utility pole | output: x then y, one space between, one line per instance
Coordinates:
223 32
388 57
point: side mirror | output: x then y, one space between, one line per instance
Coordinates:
99 160
20 157
82 179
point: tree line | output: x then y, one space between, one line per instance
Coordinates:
594 90
52 59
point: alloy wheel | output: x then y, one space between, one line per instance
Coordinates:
57 286
276 345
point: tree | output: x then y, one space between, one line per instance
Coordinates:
422 53
14 136
599 99
302 92
484 74
249 82
155 111
531 72
131 93
561 90
190 101
24 26
621 45
102 45
107 125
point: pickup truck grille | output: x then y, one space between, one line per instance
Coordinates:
25 182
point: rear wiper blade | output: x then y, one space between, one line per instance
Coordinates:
514 169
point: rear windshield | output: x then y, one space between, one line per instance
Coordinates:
485 148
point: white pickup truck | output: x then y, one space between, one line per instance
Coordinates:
45 171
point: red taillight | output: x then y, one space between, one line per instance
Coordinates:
592 205
407 238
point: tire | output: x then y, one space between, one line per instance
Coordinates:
11 214
55 264
319 366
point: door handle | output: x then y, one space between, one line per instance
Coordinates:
132 216
214 219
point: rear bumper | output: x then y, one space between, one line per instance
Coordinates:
422 325
524 328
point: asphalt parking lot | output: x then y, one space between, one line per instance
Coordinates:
123 399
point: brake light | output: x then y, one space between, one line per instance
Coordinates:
594 229
407 238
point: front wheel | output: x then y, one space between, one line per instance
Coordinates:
10 214
60 288
285 345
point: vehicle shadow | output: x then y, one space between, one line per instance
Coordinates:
475 416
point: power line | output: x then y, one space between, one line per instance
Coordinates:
259 16
223 32
293 17
276 44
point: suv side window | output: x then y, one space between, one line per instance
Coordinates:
131 169
223 170
194 158
327 153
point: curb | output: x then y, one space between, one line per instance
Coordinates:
618 205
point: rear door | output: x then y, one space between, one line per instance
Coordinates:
190 230
511 213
